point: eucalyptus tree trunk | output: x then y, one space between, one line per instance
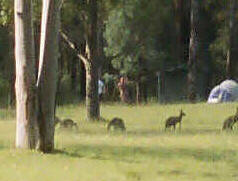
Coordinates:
90 59
82 80
193 50
179 26
232 55
92 99
47 76
138 91
25 76
92 64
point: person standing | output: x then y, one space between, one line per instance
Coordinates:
100 89
123 89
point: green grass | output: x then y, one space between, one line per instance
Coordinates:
200 151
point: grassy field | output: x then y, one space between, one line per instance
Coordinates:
200 151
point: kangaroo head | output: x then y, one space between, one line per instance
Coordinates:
182 113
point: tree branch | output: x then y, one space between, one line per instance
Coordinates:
72 46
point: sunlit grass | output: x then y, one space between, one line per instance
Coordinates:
200 151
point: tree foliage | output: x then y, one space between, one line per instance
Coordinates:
139 38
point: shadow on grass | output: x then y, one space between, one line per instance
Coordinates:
184 132
70 154
140 154
153 132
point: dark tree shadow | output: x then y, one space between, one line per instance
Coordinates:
137 154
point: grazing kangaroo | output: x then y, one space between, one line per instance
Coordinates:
230 121
172 121
66 123
117 124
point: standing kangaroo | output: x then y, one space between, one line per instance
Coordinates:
230 121
172 121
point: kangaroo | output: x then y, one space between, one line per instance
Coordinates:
172 121
66 123
230 121
117 124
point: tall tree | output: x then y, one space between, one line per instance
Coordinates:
179 26
89 56
182 22
47 76
193 49
92 64
232 55
25 79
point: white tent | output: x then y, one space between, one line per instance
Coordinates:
227 91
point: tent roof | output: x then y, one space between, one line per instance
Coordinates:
225 92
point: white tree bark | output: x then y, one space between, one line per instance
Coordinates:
25 75
47 76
